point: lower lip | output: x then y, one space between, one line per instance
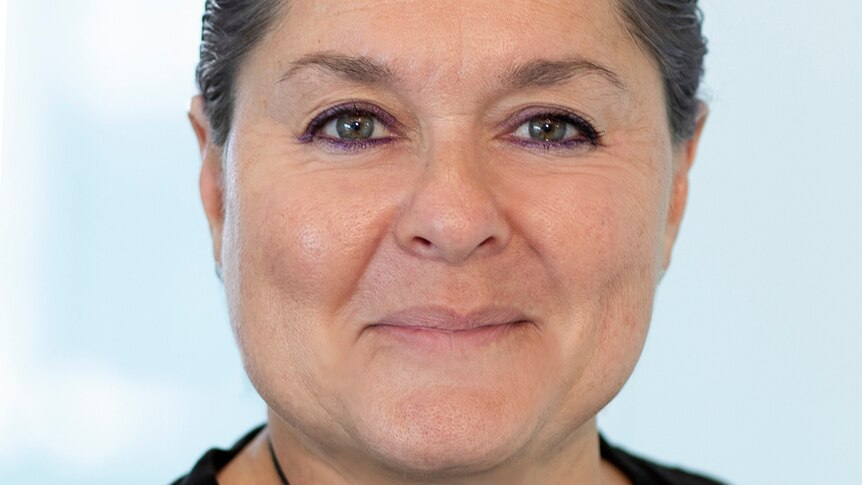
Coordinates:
447 340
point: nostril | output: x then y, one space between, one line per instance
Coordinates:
488 242
422 244
427 248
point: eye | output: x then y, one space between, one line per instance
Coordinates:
555 130
547 129
351 127
354 126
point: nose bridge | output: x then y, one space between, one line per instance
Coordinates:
453 167
453 212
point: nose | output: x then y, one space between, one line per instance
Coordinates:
452 214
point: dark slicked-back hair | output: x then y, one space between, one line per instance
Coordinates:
231 29
669 30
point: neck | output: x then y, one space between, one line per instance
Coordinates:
574 459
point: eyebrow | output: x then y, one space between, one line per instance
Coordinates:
534 73
360 69
546 73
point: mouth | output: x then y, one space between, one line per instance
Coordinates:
445 329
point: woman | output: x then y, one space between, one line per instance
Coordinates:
440 226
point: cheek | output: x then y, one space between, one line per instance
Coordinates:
594 229
305 241
298 245
599 231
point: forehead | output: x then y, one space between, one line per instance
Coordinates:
453 40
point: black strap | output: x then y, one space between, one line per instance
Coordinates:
275 462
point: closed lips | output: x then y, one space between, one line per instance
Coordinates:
444 319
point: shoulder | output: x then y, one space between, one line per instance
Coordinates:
645 472
206 469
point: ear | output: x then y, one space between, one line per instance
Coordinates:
683 159
211 185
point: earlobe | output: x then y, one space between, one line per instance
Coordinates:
210 181
684 158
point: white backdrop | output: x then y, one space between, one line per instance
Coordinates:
116 359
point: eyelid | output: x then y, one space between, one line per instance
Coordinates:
313 127
583 123
550 111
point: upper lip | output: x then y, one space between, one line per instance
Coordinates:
451 320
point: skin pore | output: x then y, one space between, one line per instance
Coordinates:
391 160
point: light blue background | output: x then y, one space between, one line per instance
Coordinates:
116 360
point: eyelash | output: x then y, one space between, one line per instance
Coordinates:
589 135
312 132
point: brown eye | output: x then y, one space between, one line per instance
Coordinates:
547 129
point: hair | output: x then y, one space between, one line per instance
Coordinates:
231 29
670 31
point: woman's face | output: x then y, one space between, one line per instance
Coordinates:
442 223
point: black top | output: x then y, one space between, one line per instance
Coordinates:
638 470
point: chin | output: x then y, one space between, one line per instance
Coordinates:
445 433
